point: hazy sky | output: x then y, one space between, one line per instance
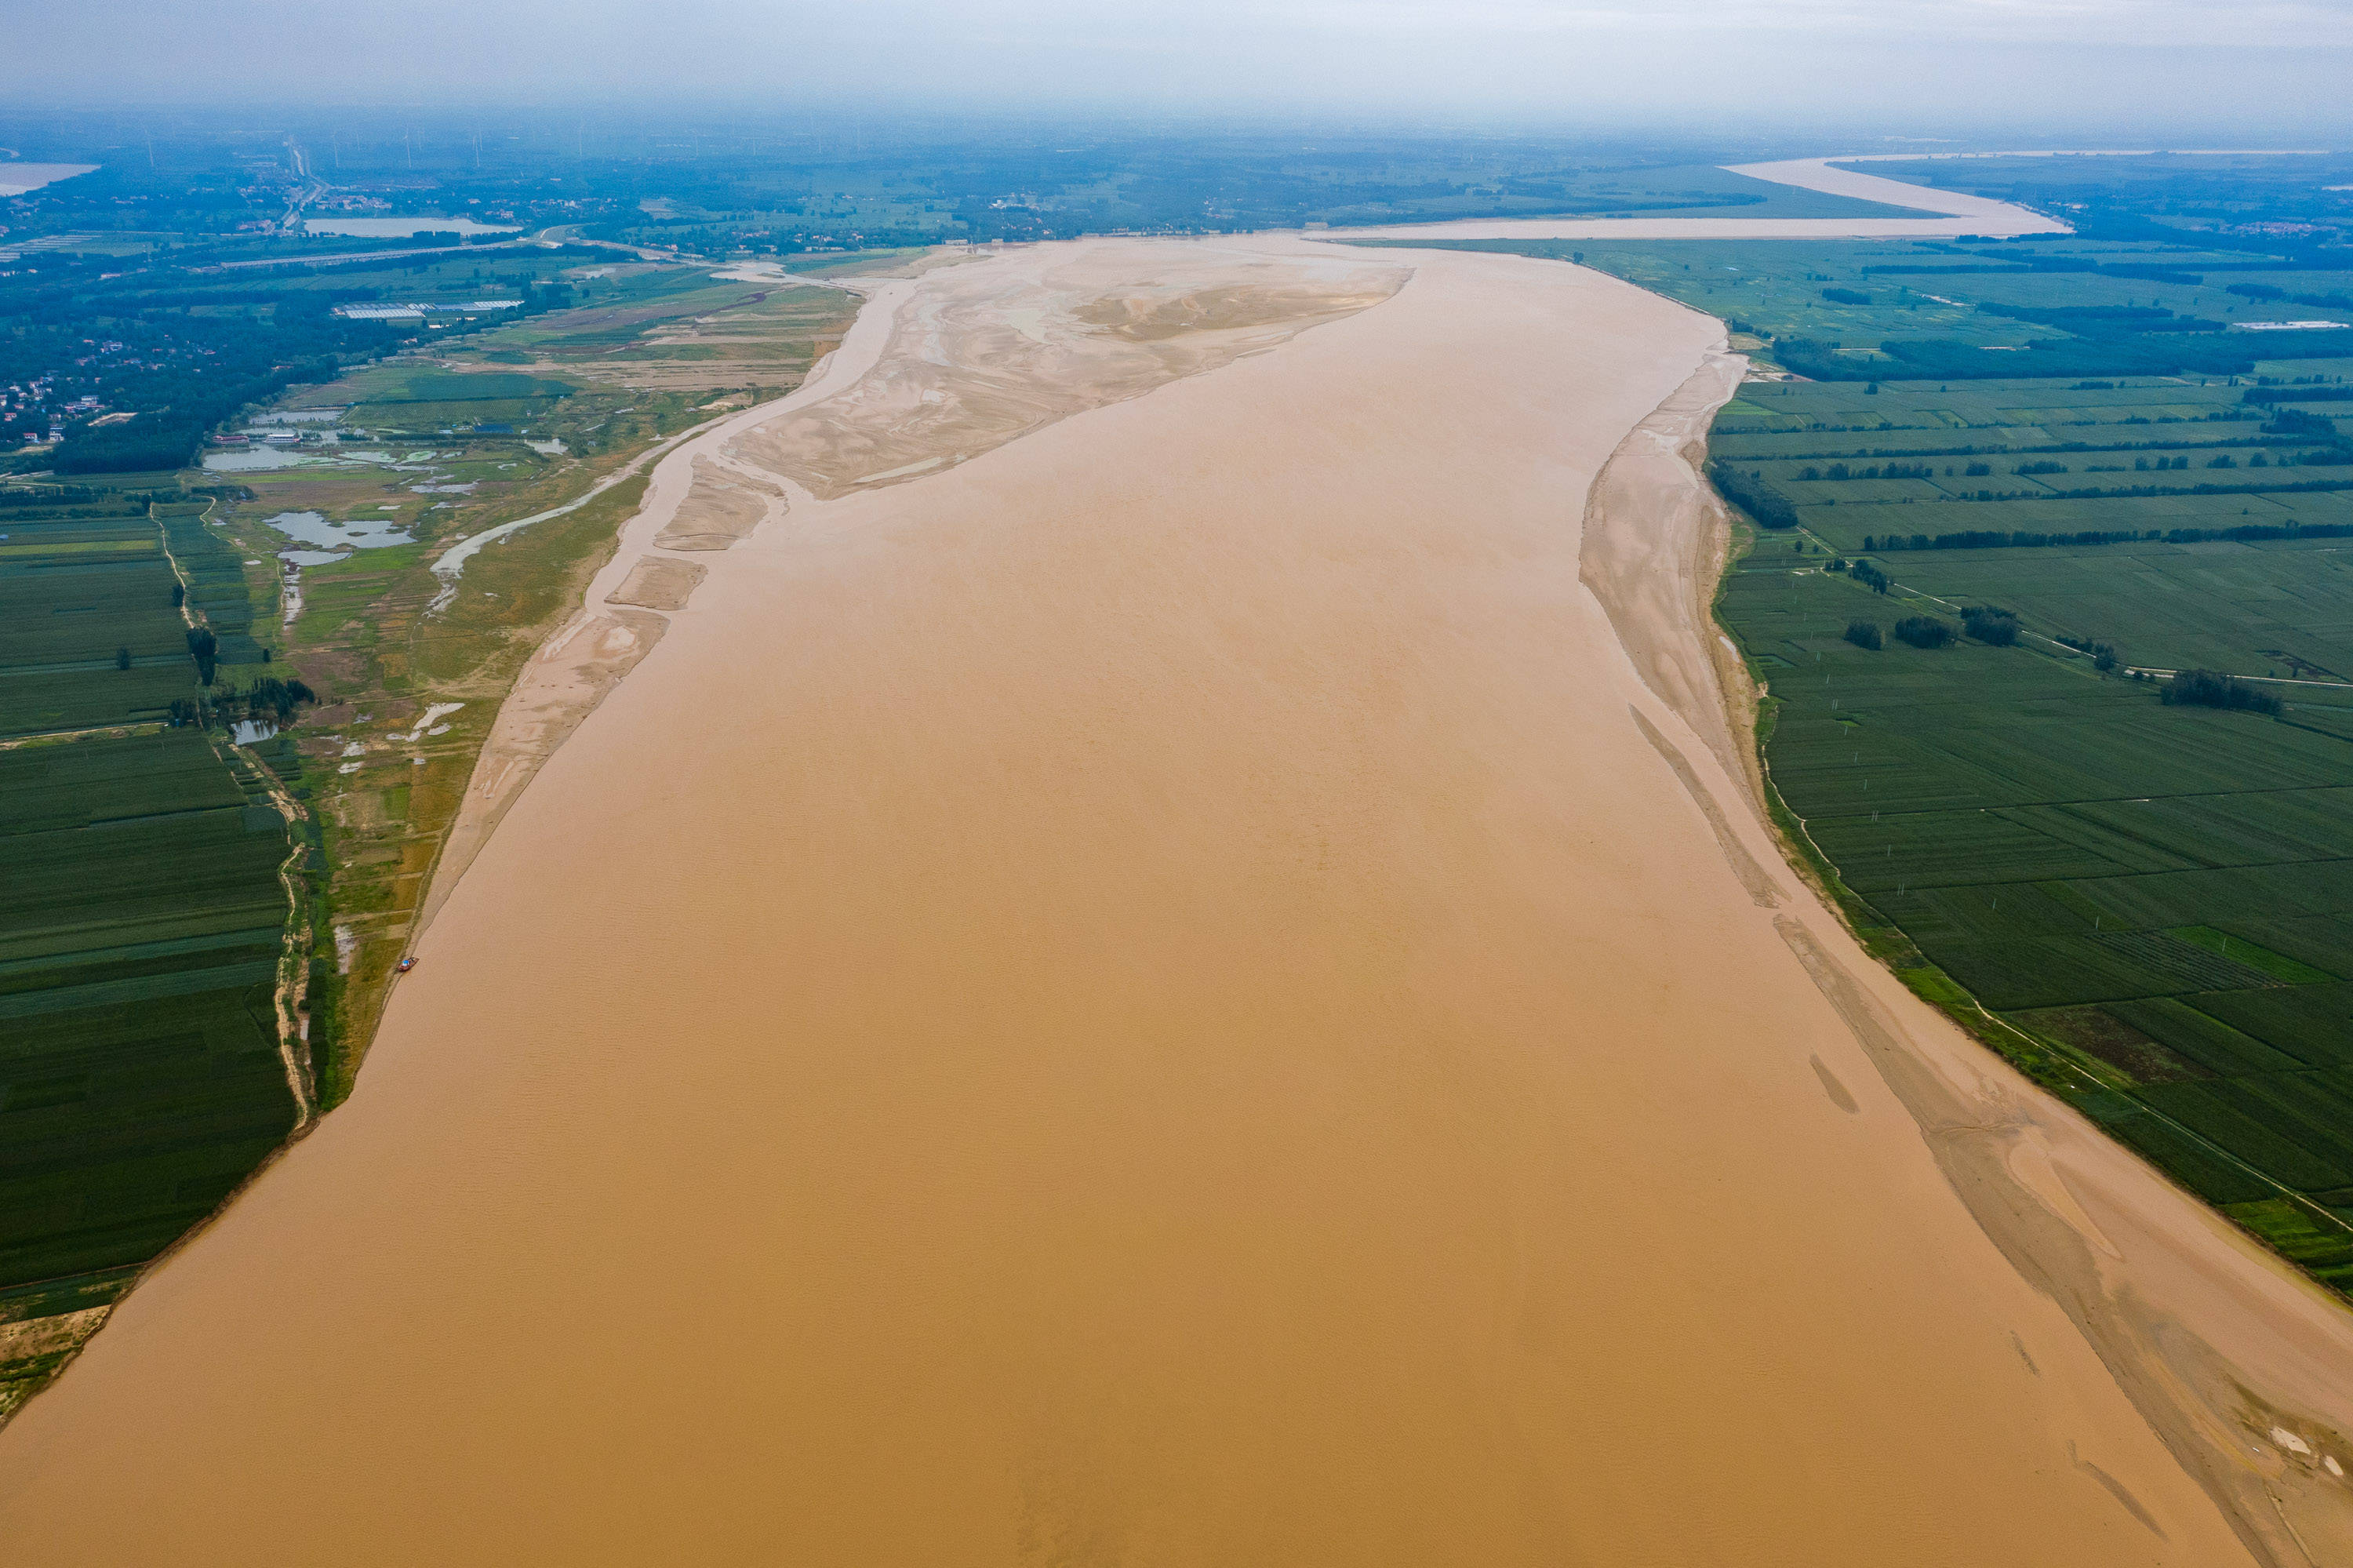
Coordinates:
2273 66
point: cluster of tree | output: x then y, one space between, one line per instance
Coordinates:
2018 262
2040 465
1747 489
2104 657
1869 575
48 495
204 649
2124 353
2023 539
2270 396
1864 634
2335 302
2299 425
2001 539
2211 689
1876 471
2252 487
1924 631
1846 296
1990 624
268 700
2325 457
2183 443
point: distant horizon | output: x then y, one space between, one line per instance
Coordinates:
38 132
2155 71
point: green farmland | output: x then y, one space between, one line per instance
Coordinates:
140 1073
2152 902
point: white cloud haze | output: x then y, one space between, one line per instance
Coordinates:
2269 69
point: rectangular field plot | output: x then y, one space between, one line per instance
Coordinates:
87 633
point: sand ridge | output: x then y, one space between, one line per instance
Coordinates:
1158 995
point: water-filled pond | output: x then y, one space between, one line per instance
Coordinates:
313 529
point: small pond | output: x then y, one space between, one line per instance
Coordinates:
361 533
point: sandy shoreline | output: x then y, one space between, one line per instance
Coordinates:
1198 985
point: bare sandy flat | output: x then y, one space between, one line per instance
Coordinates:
1965 214
1984 214
1192 987
724 505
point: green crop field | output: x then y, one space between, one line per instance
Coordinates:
2153 902
140 1074
80 588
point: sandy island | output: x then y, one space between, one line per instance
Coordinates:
1170 961
1961 214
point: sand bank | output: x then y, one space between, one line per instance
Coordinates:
1965 214
1979 214
1171 993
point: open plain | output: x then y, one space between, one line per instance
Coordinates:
1139 976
